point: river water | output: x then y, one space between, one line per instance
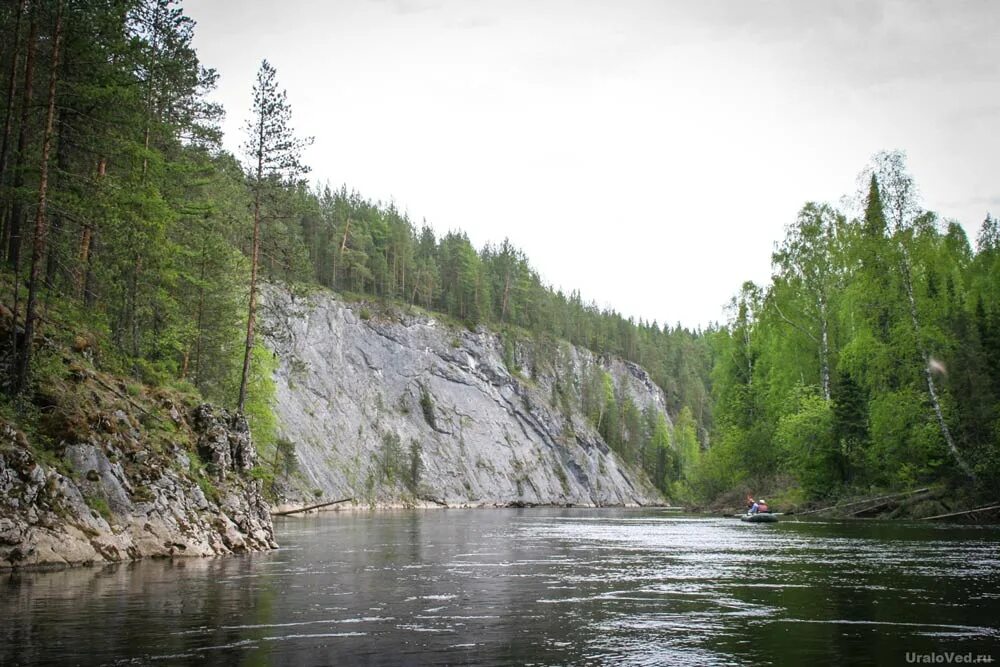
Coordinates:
574 586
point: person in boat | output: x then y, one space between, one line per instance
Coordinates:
754 507
749 502
762 506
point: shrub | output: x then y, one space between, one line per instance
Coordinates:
427 405
411 475
99 505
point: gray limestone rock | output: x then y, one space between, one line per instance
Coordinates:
401 409
99 509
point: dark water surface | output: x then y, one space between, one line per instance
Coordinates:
573 586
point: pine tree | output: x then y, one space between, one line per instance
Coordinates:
8 117
40 231
15 220
273 152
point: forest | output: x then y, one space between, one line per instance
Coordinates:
871 361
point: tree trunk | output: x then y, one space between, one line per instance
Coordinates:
8 119
199 317
255 258
506 296
62 167
133 307
925 357
82 268
824 350
252 308
17 211
150 83
38 244
90 279
343 242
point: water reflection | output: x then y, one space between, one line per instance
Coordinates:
527 587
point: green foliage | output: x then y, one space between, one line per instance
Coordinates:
560 472
427 406
872 327
664 463
390 458
208 487
685 438
285 460
259 409
721 469
261 473
100 505
412 473
906 446
508 342
806 441
608 417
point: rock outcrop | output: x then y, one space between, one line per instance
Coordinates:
111 497
398 408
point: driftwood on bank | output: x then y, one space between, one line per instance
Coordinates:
966 512
312 507
866 500
879 505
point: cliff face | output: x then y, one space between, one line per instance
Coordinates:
393 408
109 496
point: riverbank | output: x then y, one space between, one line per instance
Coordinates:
932 503
350 505
99 468
113 497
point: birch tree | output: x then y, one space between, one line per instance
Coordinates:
901 205
803 263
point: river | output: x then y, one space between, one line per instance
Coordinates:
534 586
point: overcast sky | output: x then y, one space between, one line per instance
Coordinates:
648 153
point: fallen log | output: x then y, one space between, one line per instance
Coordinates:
872 508
975 511
866 500
312 507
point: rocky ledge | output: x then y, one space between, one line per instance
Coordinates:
111 497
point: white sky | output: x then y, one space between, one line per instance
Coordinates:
648 153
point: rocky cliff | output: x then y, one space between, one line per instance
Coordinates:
392 407
116 488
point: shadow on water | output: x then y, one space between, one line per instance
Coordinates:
528 586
